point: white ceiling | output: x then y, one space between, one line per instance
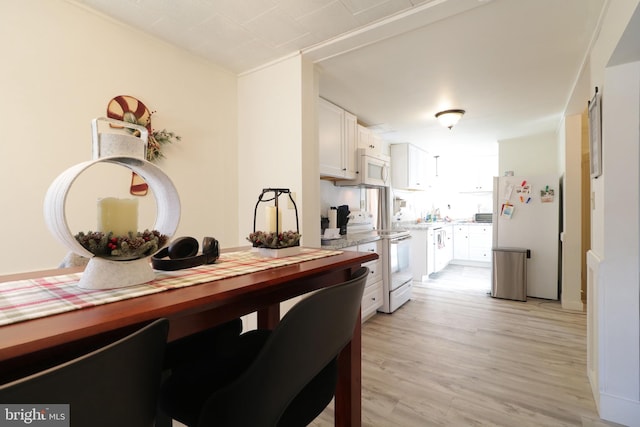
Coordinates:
511 64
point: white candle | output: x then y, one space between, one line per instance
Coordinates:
333 218
119 216
271 219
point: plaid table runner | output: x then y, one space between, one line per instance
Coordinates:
29 299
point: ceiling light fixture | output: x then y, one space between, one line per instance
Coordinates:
449 118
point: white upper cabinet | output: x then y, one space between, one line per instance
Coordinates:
337 141
369 140
477 174
350 145
478 183
408 167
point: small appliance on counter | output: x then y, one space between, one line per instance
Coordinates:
335 225
342 218
485 218
324 224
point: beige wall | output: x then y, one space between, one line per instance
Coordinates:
278 148
61 65
277 144
529 155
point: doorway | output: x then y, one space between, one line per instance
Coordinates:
585 206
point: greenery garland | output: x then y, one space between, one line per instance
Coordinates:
131 246
286 239
157 138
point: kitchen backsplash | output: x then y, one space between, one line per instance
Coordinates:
457 206
330 195
416 204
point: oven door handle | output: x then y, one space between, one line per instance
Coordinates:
397 240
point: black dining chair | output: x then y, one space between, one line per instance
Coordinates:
284 377
116 385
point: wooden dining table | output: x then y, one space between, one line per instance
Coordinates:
32 345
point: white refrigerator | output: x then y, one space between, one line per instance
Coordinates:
526 214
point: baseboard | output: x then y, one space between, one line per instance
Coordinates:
595 390
620 410
573 305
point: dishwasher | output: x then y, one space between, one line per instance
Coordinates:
509 273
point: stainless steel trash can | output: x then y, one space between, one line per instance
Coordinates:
509 275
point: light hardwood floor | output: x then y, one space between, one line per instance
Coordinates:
454 356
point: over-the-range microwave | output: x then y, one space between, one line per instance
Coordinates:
374 169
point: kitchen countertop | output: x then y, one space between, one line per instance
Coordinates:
354 239
350 239
422 225
411 225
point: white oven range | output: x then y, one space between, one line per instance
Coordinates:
396 269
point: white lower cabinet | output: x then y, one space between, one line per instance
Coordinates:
472 242
461 242
372 297
449 250
419 254
423 253
443 247
431 252
480 242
